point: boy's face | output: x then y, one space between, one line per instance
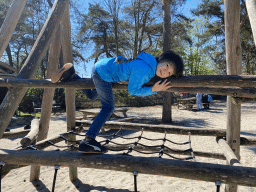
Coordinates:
164 70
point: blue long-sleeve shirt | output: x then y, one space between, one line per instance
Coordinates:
137 72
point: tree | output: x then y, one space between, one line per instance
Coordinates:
215 34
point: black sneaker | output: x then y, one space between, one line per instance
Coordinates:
91 146
67 72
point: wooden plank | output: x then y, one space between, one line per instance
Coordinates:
14 96
251 9
70 92
234 64
10 22
147 165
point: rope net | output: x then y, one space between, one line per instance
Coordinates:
134 145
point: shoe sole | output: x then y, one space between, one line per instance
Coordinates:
57 75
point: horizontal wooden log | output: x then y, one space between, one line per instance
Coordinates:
186 81
15 134
32 135
147 165
235 91
158 128
229 154
40 145
87 83
2 75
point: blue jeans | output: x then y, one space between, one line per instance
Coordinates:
105 93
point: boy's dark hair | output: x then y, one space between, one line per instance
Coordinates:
171 56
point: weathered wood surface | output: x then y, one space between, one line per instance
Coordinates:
15 95
229 154
8 67
167 97
69 92
96 111
47 102
158 128
229 81
15 134
234 65
40 146
32 135
10 22
251 9
147 165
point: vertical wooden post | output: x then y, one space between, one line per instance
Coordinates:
167 99
29 69
47 102
233 57
251 9
70 93
10 22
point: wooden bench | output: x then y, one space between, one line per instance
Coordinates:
95 112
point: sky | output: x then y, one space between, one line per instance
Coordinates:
185 9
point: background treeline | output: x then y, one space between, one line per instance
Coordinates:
106 28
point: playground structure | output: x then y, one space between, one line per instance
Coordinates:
55 36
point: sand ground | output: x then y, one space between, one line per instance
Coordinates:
96 180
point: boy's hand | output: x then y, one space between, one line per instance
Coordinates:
161 86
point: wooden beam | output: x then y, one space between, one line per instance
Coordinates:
234 64
251 9
32 135
40 146
8 66
229 154
10 22
4 75
29 69
87 83
228 81
234 92
158 128
15 134
148 165
167 97
69 92
53 61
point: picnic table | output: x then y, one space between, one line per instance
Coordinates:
189 103
95 112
